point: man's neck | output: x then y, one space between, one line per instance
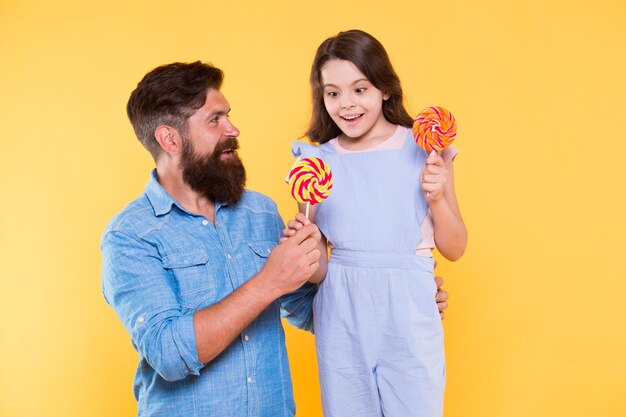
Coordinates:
192 201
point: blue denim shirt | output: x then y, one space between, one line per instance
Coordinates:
162 263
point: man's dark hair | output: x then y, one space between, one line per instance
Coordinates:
169 95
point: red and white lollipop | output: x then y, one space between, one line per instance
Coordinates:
310 181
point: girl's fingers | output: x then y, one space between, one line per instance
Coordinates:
431 190
292 224
434 159
423 174
431 178
300 217
433 169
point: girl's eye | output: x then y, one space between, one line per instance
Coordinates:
332 94
360 90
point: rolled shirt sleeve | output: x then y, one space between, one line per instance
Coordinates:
140 291
297 307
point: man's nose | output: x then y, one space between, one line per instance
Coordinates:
231 130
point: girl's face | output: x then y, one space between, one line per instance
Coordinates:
353 103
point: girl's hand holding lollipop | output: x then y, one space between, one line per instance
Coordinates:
434 129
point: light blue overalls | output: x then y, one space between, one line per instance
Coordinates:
377 328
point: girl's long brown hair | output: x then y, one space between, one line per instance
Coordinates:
370 57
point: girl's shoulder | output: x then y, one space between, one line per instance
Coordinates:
301 149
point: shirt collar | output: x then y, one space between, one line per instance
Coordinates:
161 201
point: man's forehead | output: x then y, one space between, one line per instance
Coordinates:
214 103
216 97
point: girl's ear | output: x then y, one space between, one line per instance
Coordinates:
386 96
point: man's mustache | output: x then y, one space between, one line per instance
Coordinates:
229 143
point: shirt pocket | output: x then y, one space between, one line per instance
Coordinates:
192 273
262 250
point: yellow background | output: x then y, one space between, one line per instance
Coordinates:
536 325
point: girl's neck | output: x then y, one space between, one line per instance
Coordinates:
383 132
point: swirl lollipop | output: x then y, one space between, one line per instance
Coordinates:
434 129
310 180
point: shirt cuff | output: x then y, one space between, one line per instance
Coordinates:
186 343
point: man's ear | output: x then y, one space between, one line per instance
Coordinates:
169 139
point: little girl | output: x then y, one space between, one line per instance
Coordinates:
377 328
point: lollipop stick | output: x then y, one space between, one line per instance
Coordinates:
306 210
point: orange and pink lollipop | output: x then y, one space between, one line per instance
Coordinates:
310 181
434 129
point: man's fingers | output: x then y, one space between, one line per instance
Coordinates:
312 268
439 282
313 256
442 295
308 244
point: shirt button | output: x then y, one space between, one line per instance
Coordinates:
205 222
249 380
228 256
246 338
140 319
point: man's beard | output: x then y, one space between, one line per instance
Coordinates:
218 179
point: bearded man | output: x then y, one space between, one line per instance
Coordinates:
193 267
